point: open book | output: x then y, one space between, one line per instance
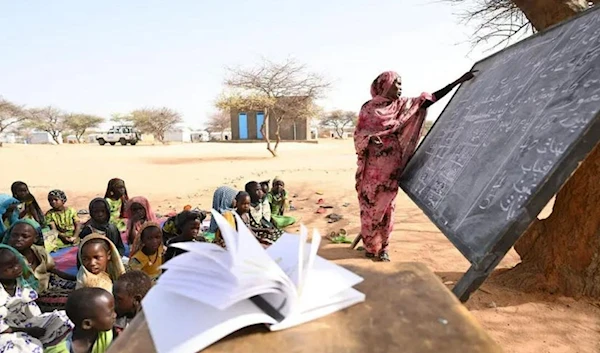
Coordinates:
209 292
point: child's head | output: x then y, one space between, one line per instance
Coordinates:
129 290
255 191
278 186
91 308
188 223
10 266
20 191
242 201
23 234
99 210
116 189
137 210
57 199
264 186
151 237
95 255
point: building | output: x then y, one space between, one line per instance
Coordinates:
246 125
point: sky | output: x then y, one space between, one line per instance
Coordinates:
105 57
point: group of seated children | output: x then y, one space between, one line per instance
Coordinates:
89 324
32 284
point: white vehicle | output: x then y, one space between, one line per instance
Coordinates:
122 134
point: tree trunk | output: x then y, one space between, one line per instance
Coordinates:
561 254
55 137
545 13
264 132
277 135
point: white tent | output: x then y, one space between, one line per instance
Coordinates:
180 134
42 137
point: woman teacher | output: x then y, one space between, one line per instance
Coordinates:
385 138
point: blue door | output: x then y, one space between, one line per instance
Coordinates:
260 119
243 126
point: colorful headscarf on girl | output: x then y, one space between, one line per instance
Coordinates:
5 202
39 239
59 194
112 184
38 214
383 116
114 268
27 279
222 202
133 225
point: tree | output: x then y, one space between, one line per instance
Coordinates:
79 123
560 254
287 88
219 122
10 115
155 121
48 119
499 21
338 120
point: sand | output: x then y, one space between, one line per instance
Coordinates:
175 175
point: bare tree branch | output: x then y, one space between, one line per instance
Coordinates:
48 119
219 122
155 121
10 114
497 22
285 90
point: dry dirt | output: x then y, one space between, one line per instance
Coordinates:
173 176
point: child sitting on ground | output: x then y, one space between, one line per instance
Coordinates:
8 212
129 290
259 216
116 196
279 203
99 223
149 257
101 263
62 219
188 225
23 328
92 311
53 286
29 208
138 212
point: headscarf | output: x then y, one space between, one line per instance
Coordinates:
137 244
112 183
384 117
222 201
59 194
133 227
39 239
91 222
110 230
114 268
5 202
27 279
39 215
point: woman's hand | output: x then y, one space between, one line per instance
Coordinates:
467 76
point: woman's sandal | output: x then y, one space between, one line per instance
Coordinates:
370 255
384 257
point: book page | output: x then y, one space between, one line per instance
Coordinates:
197 325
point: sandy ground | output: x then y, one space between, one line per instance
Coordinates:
173 176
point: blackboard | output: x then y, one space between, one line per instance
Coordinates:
508 140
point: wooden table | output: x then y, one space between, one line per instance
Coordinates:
408 311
